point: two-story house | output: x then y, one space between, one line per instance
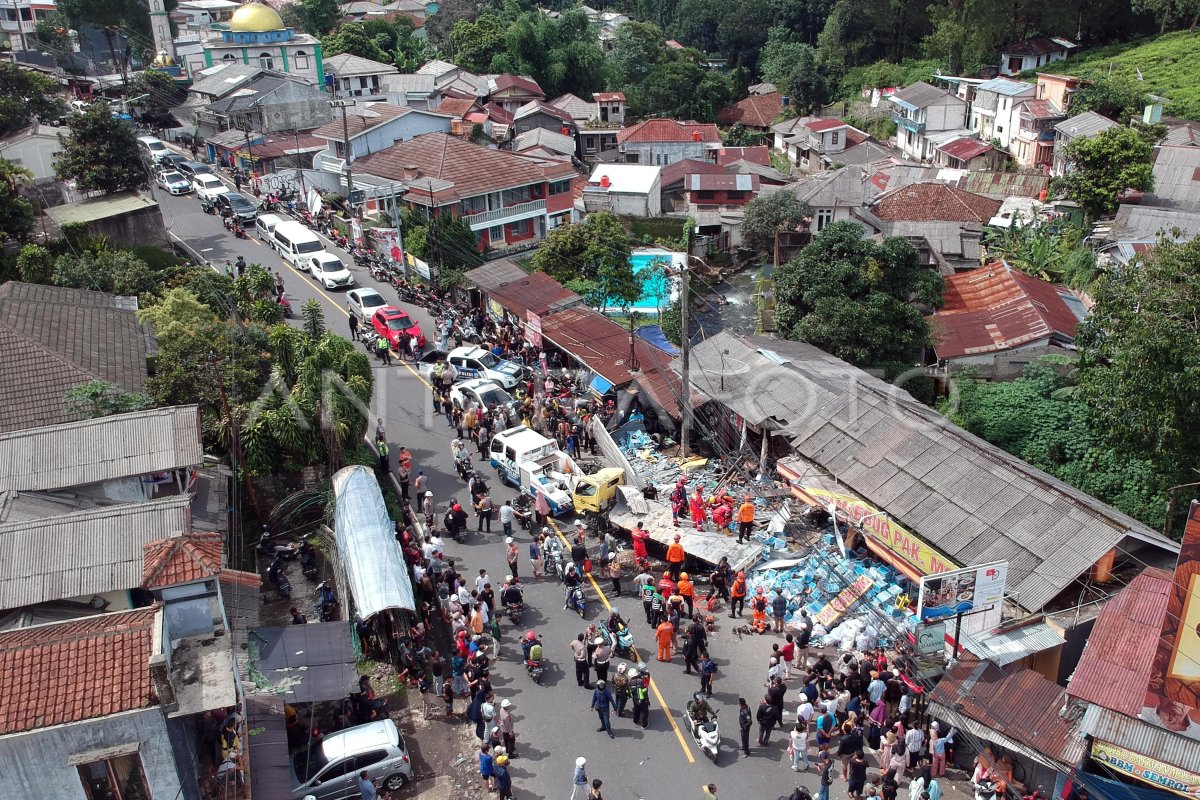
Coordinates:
1080 126
539 114
373 127
925 117
994 111
659 142
507 199
268 103
1058 89
1033 145
597 122
1033 53
511 92
348 75
819 142
610 108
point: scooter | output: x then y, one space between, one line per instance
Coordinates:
537 668
554 559
985 790
279 578
308 560
286 305
514 612
706 735
326 601
573 599
269 548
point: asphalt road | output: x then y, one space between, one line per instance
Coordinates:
554 722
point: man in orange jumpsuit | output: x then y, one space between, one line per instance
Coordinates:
687 591
639 536
737 595
675 558
759 606
745 520
664 633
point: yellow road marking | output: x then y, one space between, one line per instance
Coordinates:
687 751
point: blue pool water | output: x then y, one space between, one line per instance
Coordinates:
656 285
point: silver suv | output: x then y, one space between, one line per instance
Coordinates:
328 770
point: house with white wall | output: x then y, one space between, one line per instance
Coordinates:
923 113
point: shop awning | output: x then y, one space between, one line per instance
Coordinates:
367 546
305 663
600 386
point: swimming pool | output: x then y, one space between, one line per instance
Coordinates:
659 288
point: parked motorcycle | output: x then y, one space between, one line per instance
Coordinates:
326 601
706 734
574 600
308 560
269 548
279 578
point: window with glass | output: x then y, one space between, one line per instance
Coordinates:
824 217
520 228
496 232
301 59
266 61
560 187
118 778
511 197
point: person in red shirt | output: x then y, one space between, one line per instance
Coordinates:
639 536
696 508
666 586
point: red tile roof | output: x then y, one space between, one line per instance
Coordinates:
855 137
529 85
934 202
827 124
755 155
72 671
1036 46
181 559
756 111
996 308
497 113
688 166
535 292
371 116
1115 667
965 149
1016 703
456 106
471 169
609 97
669 130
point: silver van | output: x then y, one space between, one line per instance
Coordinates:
294 242
153 148
328 769
264 226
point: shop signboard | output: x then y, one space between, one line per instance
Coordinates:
533 328
893 543
1173 693
1144 768
414 263
930 642
962 591
839 605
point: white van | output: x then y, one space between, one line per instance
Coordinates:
294 242
264 226
529 462
153 147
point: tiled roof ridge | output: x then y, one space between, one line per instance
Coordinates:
51 353
119 623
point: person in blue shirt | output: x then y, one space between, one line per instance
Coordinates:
366 787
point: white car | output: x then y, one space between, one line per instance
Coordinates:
481 393
475 362
208 187
364 302
174 182
329 270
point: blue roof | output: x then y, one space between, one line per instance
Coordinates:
1005 87
653 334
600 386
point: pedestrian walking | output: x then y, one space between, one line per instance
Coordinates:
778 610
675 558
403 475
826 777
483 510
798 747
594 793
579 651
535 554
603 704
512 556
708 669
914 742
687 591
383 350
767 717
579 778
600 659
737 594
620 685
353 328
508 730
382 462
506 517
745 721
745 520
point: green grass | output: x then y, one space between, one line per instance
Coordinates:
1168 64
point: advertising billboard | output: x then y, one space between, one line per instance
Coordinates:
1173 694
963 591
1144 768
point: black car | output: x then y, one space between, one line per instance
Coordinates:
192 168
172 161
237 205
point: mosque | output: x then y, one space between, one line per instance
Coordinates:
257 36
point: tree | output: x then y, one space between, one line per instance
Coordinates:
796 71
638 47
591 258
854 298
1104 166
35 264
313 317
292 15
177 314
1168 12
53 32
682 90
100 153
25 94
1140 358
1052 250
742 32
320 15
100 399
771 214
161 94
352 38
697 23
476 42
113 271
1115 97
16 212
450 13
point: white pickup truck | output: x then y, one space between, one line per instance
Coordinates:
529 462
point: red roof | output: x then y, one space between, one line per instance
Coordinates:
756 111
1015 702
674 45
181 559
72 671
755 155
1115 667
497 113
688 166
854 137
535 106
1036 46
965 149
935 202
669 130
603 345
275 145
536 292
1041 109
609 97
996 308
528 85
456 106
822 125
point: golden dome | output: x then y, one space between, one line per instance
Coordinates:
255 18
164 59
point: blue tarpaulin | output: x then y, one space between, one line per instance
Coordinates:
600 386
653 334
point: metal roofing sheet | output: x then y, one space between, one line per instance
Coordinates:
536 292
367 546
95 450
1005 647
1141 737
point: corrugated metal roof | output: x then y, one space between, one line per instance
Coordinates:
883 444
1176 178
601 344
367 546
85 553
536 292
1006 87
1114 670
922 94
1017 704
95 450
494 273
1089 123
1141 737
1011 646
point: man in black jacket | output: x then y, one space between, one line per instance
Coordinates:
744 722
768 718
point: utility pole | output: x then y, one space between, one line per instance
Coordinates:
685 428
20 26
343 105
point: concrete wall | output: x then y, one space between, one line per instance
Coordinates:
400 129
144 226
35 763
659 153
946 115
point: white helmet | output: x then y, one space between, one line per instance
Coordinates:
506 703
633 673
508 540
579 762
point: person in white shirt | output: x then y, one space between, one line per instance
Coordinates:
506 517
804 711
482 580
914 740
799 746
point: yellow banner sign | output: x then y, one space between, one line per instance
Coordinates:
1147 769
886 534
846 598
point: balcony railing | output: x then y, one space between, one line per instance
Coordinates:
908 124
499 216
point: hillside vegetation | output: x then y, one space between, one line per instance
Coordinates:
1168 64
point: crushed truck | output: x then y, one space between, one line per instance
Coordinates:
527 461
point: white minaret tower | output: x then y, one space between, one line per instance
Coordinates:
160 29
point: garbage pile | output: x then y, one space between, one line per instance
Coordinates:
855 603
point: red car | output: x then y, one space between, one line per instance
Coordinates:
391 323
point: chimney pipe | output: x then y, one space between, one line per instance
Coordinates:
410 172
695 136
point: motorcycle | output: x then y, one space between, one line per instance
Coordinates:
237 230
269 548
554 559
574 600
462 464
621 643
534 667
326 601
523 511
286 305
279 578
514 612
308 560
706 735
985 790
208 207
